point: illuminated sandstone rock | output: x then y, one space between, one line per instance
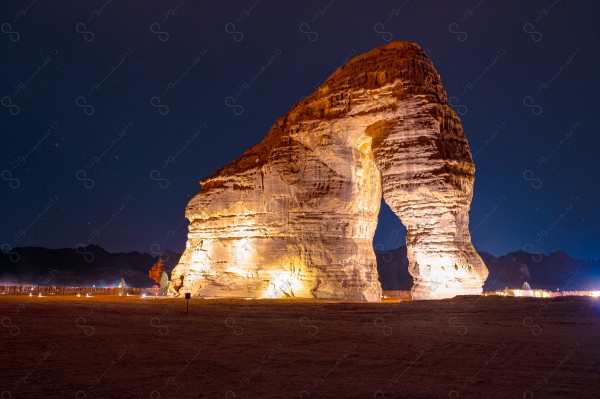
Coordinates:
295 215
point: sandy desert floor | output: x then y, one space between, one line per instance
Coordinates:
466 347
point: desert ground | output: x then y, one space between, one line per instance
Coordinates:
132 347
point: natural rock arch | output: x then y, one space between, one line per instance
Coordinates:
295 215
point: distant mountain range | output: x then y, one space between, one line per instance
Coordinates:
92 265
549 272
79 267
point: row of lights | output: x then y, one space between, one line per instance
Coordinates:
546 294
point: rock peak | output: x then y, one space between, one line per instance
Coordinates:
399 45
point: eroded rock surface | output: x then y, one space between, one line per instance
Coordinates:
295 215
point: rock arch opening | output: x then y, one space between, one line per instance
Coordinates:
389 244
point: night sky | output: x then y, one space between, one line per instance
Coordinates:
112 111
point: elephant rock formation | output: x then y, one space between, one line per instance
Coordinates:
295 215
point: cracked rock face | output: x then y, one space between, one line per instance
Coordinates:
295 215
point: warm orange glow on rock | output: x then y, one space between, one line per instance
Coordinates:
295 215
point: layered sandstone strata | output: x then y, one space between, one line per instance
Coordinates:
295 215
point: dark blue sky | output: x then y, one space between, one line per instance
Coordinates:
112 111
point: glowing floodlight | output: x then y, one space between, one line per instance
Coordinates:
283 283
